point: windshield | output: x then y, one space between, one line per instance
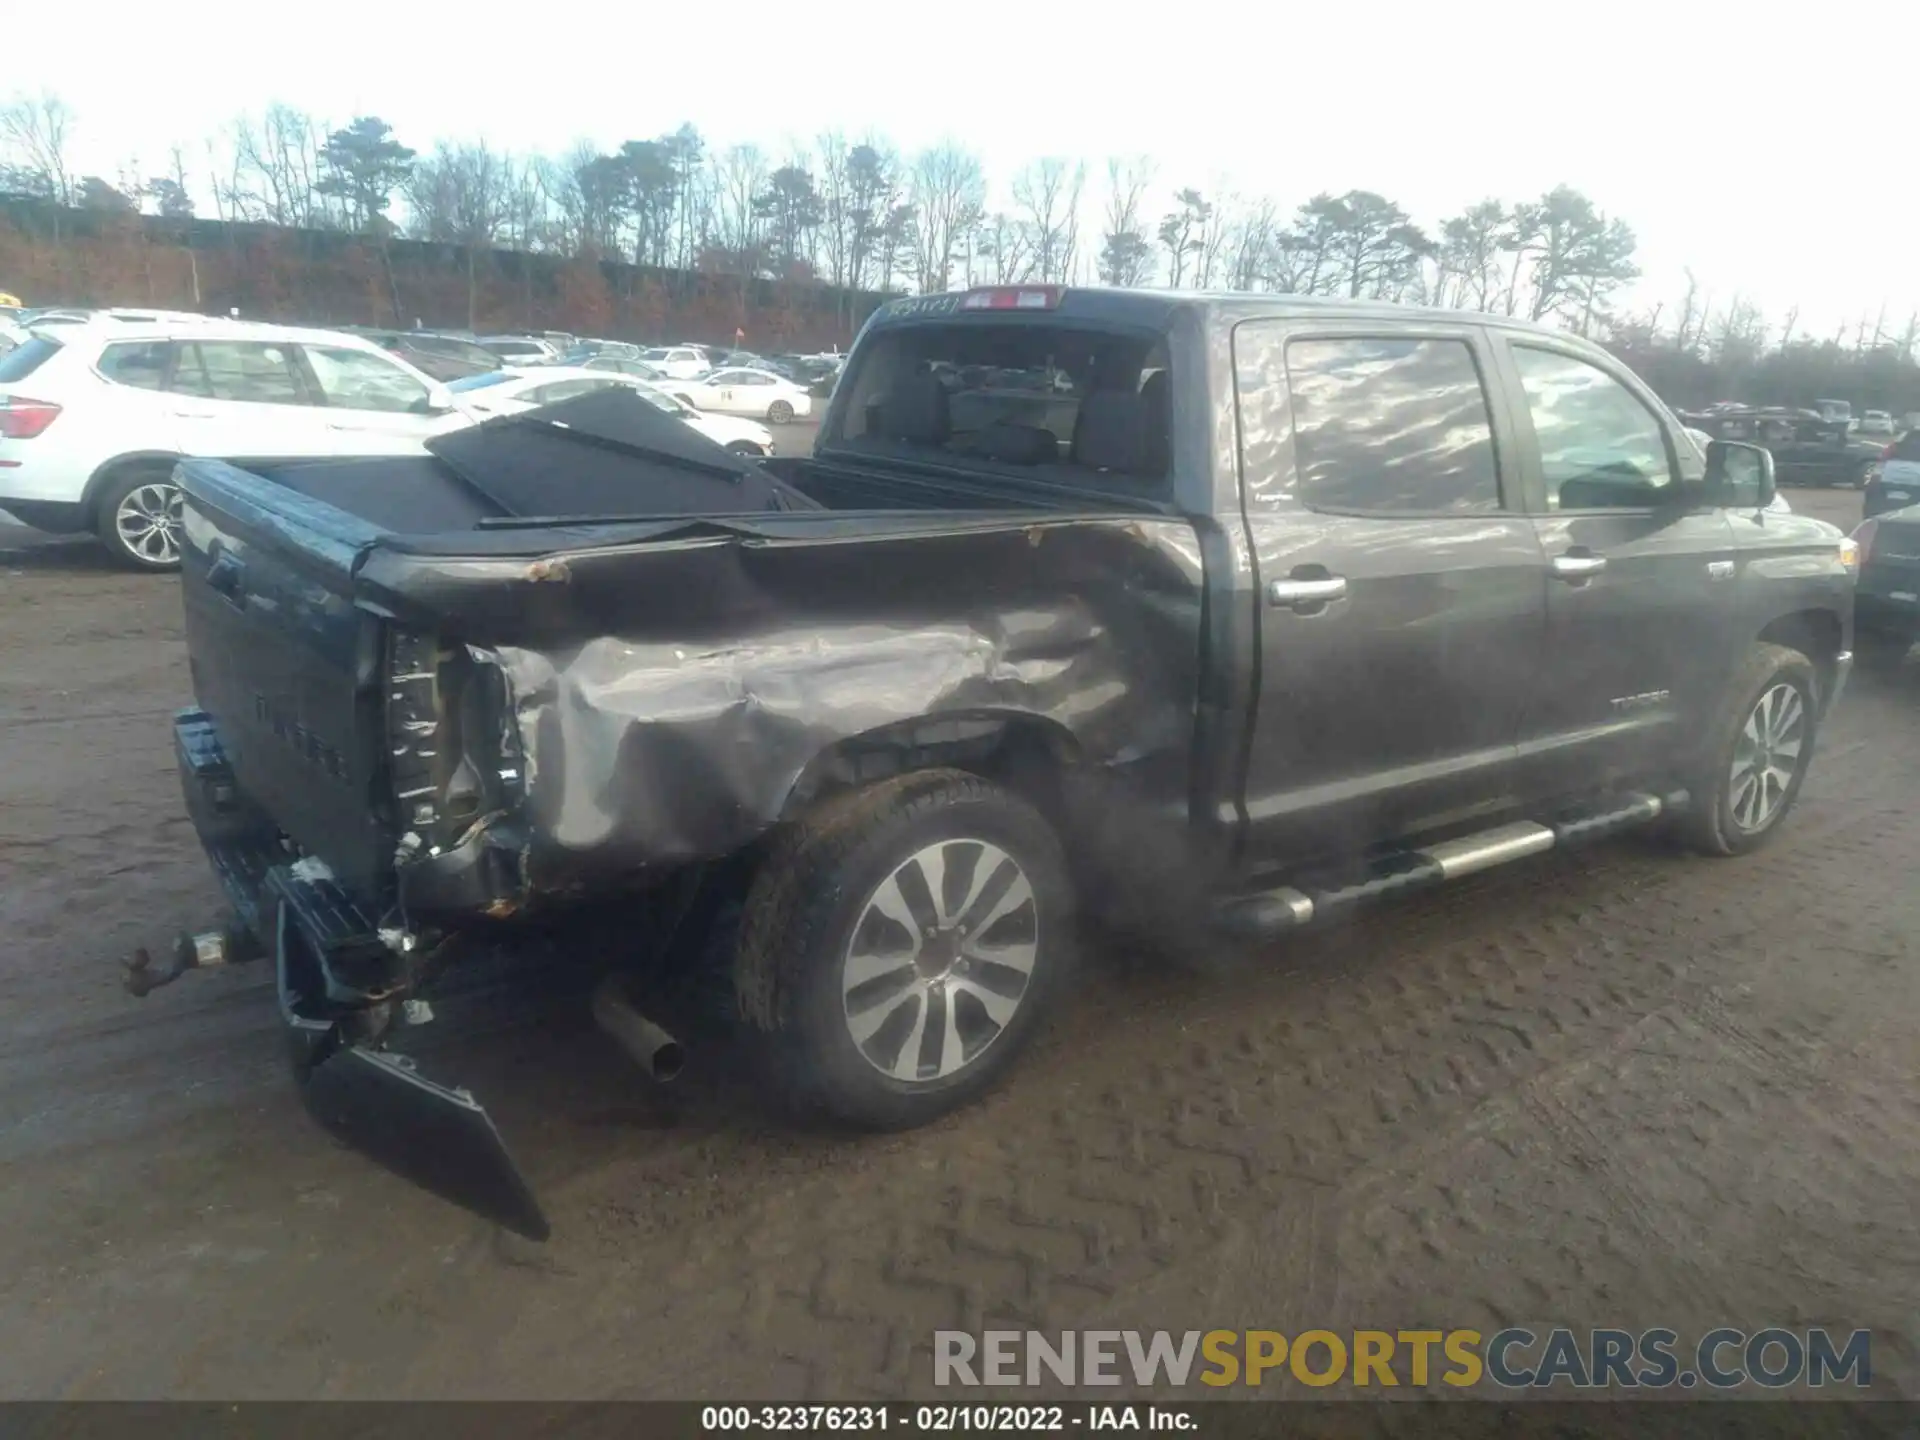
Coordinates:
1068 404
481 382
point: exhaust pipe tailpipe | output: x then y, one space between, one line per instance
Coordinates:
652 1048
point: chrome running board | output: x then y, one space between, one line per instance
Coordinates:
1305 900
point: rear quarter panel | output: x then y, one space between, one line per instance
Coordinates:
670 697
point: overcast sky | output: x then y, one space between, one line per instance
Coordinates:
1766 148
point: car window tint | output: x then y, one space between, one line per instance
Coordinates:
141 364
1600 448
360 380
1390 424
255 372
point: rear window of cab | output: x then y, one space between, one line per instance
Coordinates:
1068 403
26 357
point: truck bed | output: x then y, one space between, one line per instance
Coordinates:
457 708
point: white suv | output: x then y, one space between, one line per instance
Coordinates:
93 417
678 362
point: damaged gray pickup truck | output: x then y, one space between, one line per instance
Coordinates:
1175 609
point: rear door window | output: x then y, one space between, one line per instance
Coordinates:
253 372
1390 425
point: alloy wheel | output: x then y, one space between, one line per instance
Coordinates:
1767 755
940 960
148 523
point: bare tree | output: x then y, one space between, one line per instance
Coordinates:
1250 260
35 131
1182 232
1126 256
1047 193
948 190
277 161
836 225
742 176
1001 249
462 195
1213 241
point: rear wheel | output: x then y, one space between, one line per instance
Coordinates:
900 945
1761 746
140 518
780 413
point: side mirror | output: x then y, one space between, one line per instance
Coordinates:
1739 476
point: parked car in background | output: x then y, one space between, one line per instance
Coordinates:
619 365
1896 482
444 357
1876 422
94 416
1809 447
589 349
817 372
678 362
521 349
514 392
747 392
1886 603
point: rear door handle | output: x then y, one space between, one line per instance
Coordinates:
225 575
1302 594
1578 567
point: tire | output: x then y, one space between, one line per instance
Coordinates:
829 992
746 448
139 518
687 400
780 413
1725 818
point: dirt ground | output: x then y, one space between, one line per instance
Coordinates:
1611 1087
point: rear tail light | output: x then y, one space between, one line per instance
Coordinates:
1887 454
22 419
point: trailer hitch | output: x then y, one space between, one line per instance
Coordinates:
206 950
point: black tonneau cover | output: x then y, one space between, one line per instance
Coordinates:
604 454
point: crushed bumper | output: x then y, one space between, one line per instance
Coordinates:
336 983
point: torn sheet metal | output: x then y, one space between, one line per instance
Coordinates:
670 697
